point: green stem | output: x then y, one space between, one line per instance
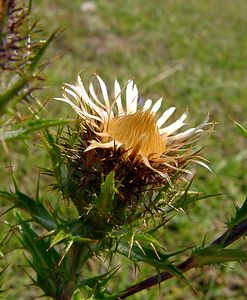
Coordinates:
77 257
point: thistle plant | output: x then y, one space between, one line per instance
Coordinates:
125 151
118 174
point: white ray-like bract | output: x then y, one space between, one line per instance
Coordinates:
141 130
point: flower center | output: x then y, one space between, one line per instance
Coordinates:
138 131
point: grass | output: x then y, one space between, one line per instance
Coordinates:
193 53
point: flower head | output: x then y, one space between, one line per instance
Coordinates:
139 130
122 154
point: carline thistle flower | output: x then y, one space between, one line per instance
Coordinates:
119 134
136 129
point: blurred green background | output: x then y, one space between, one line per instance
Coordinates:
193 54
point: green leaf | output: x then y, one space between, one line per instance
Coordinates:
60 236
23 129
162 192
189 198
43 261
241 215
34 207
100 279
144 239
63 234
216 255
242 129
40 53
11 92
143 253
59 169
106 196
97 285
157 259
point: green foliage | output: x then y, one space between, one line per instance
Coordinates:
216 255
44 259
106 196
59 170
24 129
151 256
96 286
35 208
62 235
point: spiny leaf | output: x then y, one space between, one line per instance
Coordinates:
107 192
241 214
37 189
101 279
59 169
157 259
216 255
145 254
165 188
183 199
33 207
60 236
43 261
63 234
41 52
68 246
189 198
97 285
144 238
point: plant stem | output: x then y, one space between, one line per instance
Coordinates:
79 254
232 234
183 267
